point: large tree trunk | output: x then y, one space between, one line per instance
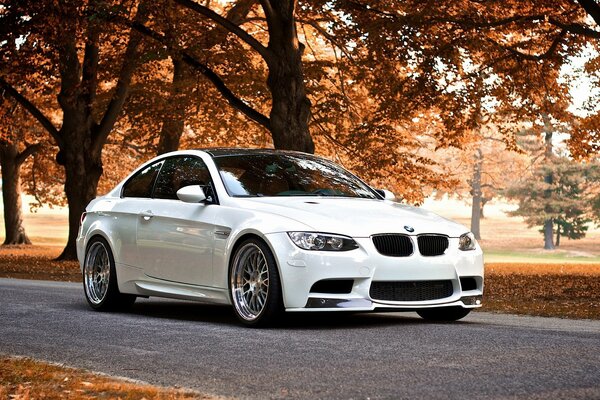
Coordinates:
476 206
82 174
174 122
81 137
290 111
82 163
11 195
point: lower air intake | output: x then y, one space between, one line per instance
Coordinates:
411 291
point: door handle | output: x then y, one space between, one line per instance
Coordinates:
146 215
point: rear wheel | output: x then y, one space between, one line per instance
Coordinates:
100 278
254 284
444 313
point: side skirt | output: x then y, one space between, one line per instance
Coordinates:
183 292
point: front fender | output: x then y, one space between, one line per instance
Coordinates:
240 223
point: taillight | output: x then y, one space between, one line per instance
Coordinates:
83 214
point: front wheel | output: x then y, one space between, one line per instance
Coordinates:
444 313
100 278
254 284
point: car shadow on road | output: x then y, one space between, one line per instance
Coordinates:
196 312
357 320
182 310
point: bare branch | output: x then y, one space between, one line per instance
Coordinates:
33 110
534 57
29 150
217 82
130 61
267 8
576 29
331 39
230 26
233 100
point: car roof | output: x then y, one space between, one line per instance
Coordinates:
236 151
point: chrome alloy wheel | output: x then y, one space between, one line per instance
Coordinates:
96 272
250 281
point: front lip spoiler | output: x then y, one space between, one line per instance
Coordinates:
315 302
319 302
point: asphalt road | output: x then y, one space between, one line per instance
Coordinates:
358 356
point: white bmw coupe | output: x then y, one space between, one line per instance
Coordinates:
270 231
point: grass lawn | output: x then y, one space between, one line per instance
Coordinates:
552 257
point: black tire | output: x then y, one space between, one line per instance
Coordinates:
444 313
254 284
100 278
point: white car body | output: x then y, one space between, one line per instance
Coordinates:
176 249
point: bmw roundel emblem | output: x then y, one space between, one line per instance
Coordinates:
409 228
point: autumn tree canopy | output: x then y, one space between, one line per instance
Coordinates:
377 85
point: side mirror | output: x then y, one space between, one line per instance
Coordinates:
191 194
386 194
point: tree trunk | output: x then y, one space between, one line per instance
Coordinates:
290 111
81 138
557 235
548 235
484 201
173 123
83 168
11 195
476 206
80 189
548 178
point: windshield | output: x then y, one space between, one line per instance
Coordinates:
287 175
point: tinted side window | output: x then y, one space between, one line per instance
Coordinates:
140 185
179 172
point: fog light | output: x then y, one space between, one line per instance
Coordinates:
472 300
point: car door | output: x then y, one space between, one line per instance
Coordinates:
135 198
175 239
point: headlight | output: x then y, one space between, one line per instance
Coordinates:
322 241
467 242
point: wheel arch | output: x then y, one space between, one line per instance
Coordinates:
239 239
98 233
95 233
236 243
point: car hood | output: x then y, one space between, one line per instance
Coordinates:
353 216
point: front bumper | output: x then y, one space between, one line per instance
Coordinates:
301 269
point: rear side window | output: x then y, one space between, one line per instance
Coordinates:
141 184
179 172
